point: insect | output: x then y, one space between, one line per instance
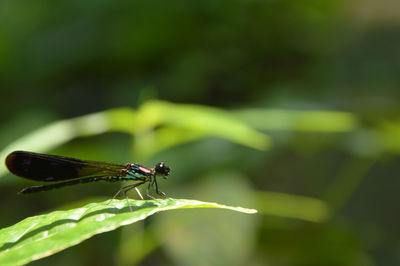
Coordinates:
65 171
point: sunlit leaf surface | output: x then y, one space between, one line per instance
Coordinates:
43 235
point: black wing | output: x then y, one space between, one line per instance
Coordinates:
52 168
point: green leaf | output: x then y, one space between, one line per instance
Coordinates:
308 121
43 235
203 121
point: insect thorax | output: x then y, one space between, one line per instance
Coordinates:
137 172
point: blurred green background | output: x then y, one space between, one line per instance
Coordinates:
290 107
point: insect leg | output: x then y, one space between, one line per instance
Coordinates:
158 191
148 193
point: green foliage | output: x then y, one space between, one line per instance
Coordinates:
40 236
180 123
308 121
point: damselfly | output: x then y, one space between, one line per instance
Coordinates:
67 171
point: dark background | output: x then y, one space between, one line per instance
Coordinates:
65 59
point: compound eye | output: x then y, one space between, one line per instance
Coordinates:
162 169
